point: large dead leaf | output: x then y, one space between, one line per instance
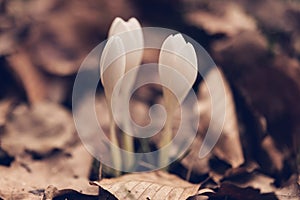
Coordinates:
39 129
153 185
271 89
229 147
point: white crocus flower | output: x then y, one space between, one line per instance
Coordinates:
112 68
131 35
178 72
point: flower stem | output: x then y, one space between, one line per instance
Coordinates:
165 140
116 155
128 146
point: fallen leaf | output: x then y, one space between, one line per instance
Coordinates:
232 192
5 107
60 39
272 90
228 147
221 17
5 158
290 192
194 165
41 128
281 10
62 170
29 75
52 193
152 185
38 85
253 179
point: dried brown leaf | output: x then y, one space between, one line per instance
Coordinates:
62 170
31 78
41 129
5 108
229 147
289 192
5 158
151 185
270 86
230 191
61 36
52 193
228 18
254 179
37 84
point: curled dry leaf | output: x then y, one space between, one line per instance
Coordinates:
228 147
152 185
271 89
177 71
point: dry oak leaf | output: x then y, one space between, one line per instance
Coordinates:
149 185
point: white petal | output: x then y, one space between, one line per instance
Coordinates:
131 34
118 26
181 60
112 64
134 23
188 63
179 38
137 43
138 34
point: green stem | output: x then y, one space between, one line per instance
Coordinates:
145 147
116 155
128 146
165 140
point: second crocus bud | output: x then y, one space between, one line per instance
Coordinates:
178 71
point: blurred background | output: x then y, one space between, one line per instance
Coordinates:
256 44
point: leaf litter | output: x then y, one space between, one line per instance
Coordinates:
262 85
